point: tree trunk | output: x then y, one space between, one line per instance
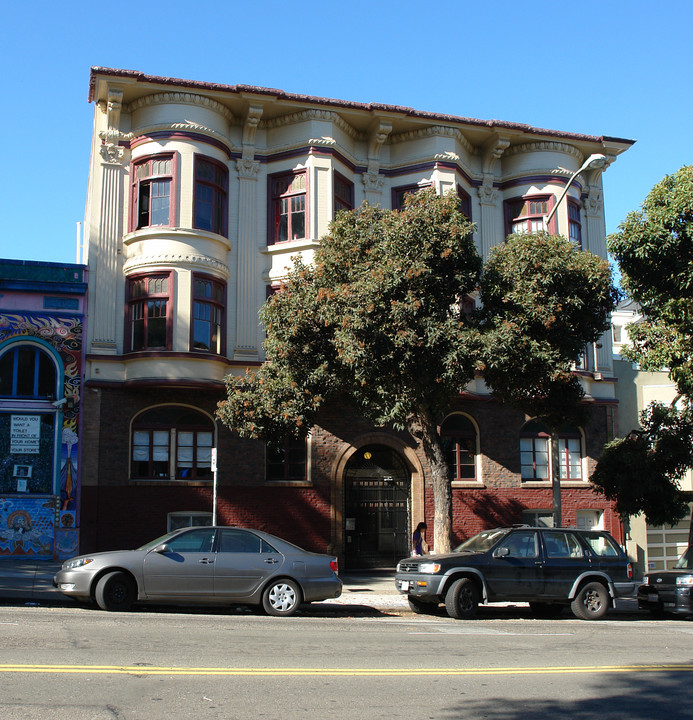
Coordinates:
427 430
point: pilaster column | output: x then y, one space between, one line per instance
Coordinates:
246 345
372 180
104 272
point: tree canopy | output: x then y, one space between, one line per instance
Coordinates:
382 315
654 251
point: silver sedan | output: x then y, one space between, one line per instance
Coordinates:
204 565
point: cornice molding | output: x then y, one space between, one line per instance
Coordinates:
183 98
432 131
176 259
545 146
313 114
181 127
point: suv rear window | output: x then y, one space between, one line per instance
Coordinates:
601 545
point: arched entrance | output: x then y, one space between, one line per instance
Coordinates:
376 508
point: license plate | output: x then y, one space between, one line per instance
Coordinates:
653 597
404 585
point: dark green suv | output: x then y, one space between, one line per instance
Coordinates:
549 568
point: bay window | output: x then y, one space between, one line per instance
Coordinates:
288 207
209 303
343 193
526 214
149 322
210 196
152 198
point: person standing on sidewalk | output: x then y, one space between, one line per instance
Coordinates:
419 546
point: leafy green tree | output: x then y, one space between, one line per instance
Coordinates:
380 317
543 300
654 252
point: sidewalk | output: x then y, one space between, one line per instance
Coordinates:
30 582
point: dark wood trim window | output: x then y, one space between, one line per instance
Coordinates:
210 199
526 214
465 202
574 223
208 314
172 443
459 439
343 193
535 452
288 200
149 312
287 462
153 192
399 193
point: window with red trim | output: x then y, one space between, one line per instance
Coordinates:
209 306
465 202
288 207
343 193
526 215
149 322
399 193
152 192
574 223
211 195
535 452
459 438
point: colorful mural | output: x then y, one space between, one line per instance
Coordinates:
40 515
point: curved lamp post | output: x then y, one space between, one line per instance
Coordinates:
593 162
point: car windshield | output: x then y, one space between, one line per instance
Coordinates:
482 542
685 561
164 538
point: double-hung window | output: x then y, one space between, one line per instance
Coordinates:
211 195
574 224
458 436
172 443
343 193
209 303
152 192
535 452
148 312
288 207
400 193
527 215
287 462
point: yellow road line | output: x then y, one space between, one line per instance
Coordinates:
336 672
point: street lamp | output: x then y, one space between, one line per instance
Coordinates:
593 162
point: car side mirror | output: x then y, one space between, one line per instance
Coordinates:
163 548
501 552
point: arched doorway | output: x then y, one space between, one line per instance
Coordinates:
376 508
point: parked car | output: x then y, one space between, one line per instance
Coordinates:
669 591
550 568
204 565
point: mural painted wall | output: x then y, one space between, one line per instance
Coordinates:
39 441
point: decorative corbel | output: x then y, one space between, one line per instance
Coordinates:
372 179
492 152
247 166
110 150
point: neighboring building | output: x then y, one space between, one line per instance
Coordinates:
42 309
654 547
199 195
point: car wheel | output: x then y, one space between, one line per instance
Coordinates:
115 591
545 610
591 602
281 597
462 599
421 607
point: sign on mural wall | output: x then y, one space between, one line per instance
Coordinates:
25 434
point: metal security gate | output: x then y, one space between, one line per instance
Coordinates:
376 508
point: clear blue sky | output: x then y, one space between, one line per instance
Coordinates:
599 67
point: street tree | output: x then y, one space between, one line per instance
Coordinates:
543 300
380 317
654 252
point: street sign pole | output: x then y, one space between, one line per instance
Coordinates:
214 487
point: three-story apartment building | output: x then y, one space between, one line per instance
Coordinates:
199 196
